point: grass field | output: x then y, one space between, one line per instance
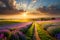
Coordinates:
47 30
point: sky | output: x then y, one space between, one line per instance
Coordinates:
33 4
47 7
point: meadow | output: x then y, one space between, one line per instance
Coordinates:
16 30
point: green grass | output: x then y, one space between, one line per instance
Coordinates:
55 31
30 33
24 30
42 34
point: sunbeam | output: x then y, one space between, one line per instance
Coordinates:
21 4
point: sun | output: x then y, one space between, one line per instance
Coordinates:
25 15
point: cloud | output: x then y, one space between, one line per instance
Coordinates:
7 7
31 5
51 10
34 1
18 6
9 3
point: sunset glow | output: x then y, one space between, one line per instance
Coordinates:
24 15
29 19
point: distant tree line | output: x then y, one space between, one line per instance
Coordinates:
43 19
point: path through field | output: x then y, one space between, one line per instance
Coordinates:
36 34
26 30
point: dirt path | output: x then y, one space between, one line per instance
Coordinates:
36 34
